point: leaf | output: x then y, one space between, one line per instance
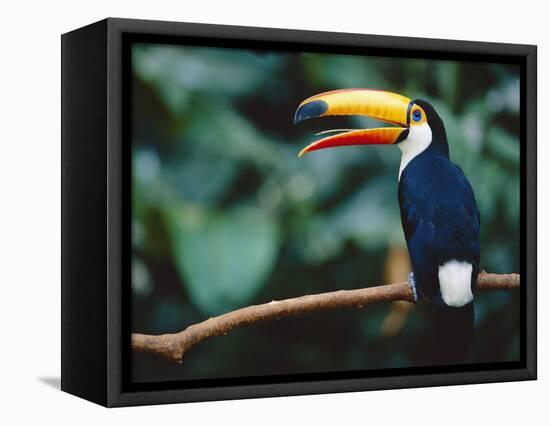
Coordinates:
224 259
179 71
503 145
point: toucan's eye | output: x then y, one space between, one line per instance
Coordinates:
417 115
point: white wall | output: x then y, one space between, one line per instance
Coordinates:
30 200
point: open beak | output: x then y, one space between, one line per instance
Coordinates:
385 106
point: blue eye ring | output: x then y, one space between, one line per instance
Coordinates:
417 115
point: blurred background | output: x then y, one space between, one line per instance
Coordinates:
224 213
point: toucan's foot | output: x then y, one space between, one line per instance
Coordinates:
412 283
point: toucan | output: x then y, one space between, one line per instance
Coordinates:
439 215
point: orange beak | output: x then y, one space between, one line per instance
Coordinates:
385 106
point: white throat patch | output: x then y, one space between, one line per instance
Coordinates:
419 138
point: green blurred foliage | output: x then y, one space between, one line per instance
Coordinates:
225 214
224 258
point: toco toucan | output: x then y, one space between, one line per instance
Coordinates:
439 214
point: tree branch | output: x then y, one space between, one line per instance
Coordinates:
174 346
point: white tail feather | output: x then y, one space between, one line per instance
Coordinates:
455 283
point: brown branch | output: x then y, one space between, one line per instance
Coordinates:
174 346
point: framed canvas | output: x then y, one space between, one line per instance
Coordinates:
252 212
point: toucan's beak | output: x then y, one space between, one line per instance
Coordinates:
385 106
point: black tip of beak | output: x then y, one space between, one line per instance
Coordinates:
310 110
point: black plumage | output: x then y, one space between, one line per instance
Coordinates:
441 223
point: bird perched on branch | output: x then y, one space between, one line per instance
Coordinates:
438 209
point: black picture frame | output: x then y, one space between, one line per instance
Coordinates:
95 209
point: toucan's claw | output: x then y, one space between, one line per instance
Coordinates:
412 283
